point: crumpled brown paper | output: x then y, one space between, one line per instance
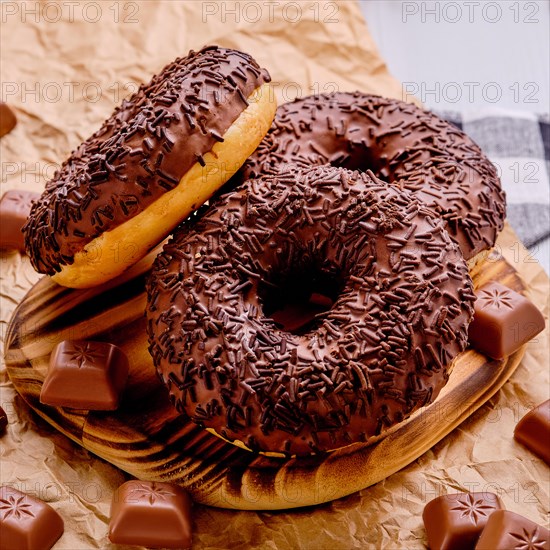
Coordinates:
63 67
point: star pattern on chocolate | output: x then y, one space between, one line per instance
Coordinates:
153 492
16 507
528 540
472 508
496 298
83 353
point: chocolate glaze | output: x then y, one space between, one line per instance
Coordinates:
382 351
141 151
400 143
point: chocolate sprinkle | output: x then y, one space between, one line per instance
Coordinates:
382 351
141 151
400 143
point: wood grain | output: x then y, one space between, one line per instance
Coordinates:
148 439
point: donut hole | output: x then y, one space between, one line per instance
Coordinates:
360 158
297 300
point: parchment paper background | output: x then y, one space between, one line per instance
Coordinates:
63 67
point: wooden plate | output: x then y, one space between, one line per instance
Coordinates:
148 439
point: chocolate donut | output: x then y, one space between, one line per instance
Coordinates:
155 160
402 301
402 144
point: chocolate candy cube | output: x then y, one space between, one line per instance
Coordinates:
533 430
455 521
503 321
85 375
7 119
152 514
509 531
27 523
3 420
15 207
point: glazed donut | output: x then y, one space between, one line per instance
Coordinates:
402 144
155 160
402 301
